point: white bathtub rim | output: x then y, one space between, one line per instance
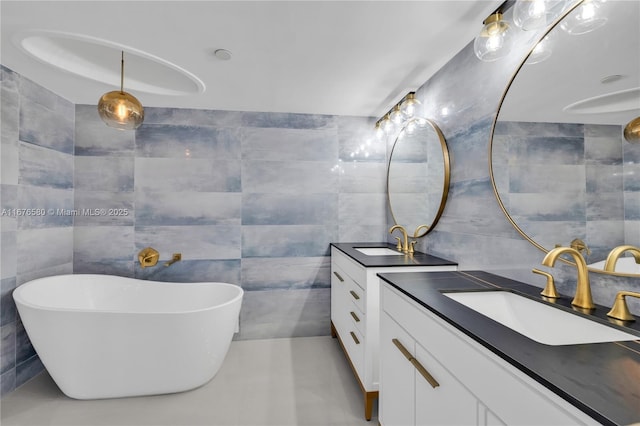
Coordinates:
18 298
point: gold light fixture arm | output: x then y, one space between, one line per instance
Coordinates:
620 310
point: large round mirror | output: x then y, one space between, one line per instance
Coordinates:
561 169
418 176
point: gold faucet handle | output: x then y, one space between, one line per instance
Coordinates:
411 244
620 310
550 288
148 257
399 245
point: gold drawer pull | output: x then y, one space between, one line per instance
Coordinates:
355 317
402 349
423 371
355 295
355 338
428 377
339 277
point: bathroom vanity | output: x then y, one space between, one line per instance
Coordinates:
442 362
355 302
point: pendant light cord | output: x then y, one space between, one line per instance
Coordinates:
122 73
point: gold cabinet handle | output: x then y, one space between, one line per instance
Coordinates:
423 371
402 349
339 277
355 295
355 338
355 317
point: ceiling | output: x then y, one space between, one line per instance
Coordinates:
318 57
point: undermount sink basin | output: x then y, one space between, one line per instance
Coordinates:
378 251
538 321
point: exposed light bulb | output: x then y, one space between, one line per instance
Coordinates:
586 18
534 14
494 41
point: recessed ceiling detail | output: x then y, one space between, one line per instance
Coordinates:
625 100
99 60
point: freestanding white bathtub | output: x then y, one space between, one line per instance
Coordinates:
102 336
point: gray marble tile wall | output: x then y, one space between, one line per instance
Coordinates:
36 185
248 198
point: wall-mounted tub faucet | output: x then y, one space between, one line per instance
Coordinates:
177 257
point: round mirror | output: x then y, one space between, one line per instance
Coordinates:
418 176
560 167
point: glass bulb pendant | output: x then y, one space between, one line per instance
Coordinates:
534 14
586 18
410 105
121 110
494 41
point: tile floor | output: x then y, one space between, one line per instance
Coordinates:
299 381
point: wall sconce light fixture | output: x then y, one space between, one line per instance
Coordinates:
120 109
534 14
400 112
586 18
494 41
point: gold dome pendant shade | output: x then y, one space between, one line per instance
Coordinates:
632 131
120 109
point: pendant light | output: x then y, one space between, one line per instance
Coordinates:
632 131
494 41
120 109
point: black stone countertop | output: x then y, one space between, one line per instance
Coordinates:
601 379
417 259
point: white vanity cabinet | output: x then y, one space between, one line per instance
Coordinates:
355 313
473 386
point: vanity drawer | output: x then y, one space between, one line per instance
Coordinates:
353 343
356 271
358 318
356 295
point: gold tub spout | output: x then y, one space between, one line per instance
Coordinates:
614 255
405 237
177 257
582 298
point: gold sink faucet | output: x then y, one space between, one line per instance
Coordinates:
614 255
582 298
405 238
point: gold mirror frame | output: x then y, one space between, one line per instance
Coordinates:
446 178
557 22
